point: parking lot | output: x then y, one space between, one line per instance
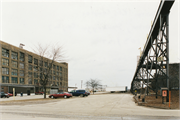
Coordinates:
101 106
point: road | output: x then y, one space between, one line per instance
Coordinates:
96 107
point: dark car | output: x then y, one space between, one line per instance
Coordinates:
60 94
4 95
81 93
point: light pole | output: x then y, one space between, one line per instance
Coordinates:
81 83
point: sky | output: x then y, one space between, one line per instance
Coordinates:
100 38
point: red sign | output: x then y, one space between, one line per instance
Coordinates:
164 93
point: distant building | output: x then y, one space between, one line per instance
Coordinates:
18 70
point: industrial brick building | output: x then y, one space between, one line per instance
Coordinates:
18 70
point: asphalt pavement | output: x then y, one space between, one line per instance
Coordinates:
94 107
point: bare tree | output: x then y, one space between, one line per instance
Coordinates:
93 84
47 56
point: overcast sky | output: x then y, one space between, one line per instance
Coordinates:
100 38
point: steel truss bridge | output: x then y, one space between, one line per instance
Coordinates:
152 70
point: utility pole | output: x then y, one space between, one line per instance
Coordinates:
81 83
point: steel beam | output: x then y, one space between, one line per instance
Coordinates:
153 64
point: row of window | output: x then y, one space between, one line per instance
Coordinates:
30 68
36 75
45 64
5 79
14 55
13 71
5 62
21 73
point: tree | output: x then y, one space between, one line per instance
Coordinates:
93 84
47 56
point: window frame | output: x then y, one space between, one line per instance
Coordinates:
22 57
5 52
14 72
5 62
14 55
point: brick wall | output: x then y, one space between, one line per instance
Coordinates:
174 75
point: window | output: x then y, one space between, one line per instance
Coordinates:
35 61
41 63
21 73
53 83
21 65
50 77
14 80
49 82
5 79
14 72
57 78
29 80
54 72
60 74
35 68
30 67
57 83
29 74
57 67
45 70
29 59
35 82
21 80
57 73
5 52
35 75
50 65
60 68
41 75
14 55
14 64
54 78
41 69
54 67
21 56
5 71
46 64
5 62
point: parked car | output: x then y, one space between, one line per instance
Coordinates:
4 95
39 93
60 94
9 94
80 92
12 93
